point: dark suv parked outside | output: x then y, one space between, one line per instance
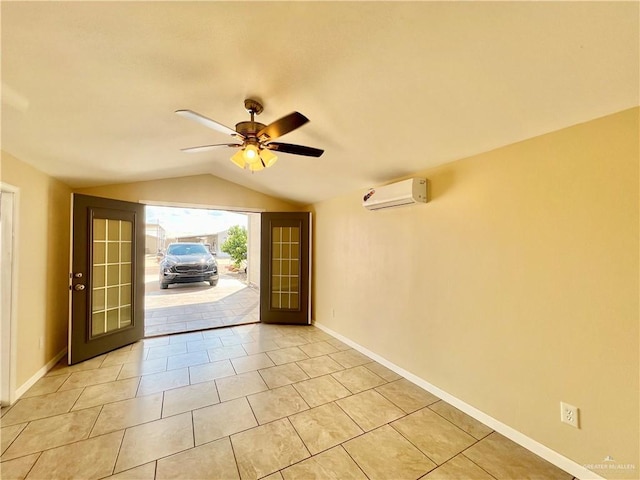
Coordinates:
186 263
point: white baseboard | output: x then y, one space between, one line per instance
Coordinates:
39 374
530 444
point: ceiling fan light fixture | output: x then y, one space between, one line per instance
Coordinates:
252 137
251 154
268 157
238 159
256 166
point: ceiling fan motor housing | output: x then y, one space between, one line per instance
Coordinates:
249 129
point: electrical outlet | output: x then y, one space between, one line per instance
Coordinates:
569 414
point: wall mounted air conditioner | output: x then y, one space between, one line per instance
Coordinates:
406 192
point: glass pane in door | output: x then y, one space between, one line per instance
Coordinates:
111 289
285 270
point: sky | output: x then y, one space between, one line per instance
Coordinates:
193 221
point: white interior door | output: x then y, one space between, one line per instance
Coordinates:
8 202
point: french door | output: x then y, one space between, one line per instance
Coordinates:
107 278
285 271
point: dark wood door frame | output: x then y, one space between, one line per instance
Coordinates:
294 259
82 344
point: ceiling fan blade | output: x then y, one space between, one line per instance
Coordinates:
207 122
294 149
284 125
206 148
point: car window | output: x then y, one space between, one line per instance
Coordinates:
186 249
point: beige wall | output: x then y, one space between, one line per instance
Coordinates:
42 257
197 190
515 288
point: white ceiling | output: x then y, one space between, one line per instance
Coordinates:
391 88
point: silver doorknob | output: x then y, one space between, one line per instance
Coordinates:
79 287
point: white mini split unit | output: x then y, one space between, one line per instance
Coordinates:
406 192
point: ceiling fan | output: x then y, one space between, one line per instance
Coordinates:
255 138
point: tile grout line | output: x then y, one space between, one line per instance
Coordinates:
95 421
415 446
161 404
353 459
443 417
311 455
233 451
193 429
16 437
479 466
34 464
115 462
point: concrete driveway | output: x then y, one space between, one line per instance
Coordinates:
196 306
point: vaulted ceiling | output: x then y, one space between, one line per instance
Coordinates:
89 89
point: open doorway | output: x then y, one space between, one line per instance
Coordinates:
202 269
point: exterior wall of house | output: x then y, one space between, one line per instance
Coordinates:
222 237
514 288
150 244
42 259
155 238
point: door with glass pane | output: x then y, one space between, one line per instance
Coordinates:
107 281
285 268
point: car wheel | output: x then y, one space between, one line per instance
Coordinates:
164 286
213 283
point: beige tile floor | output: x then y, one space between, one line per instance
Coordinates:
251 401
